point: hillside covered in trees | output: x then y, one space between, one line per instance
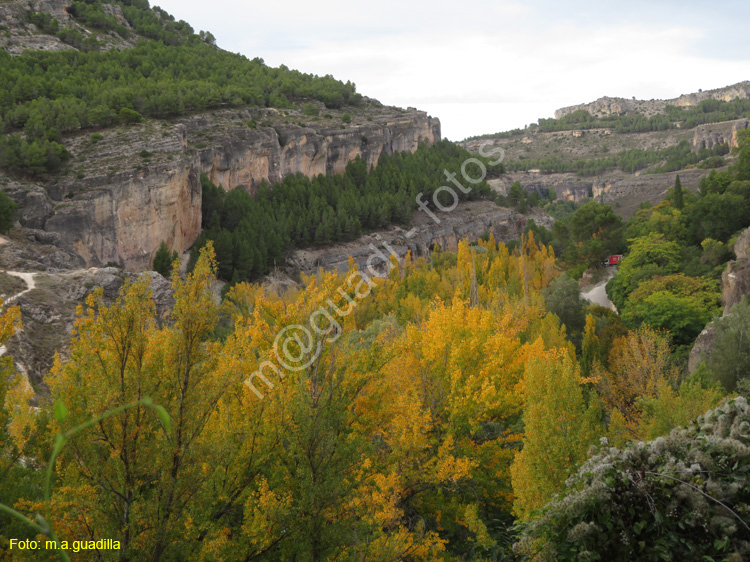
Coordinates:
169 71
467 407
435 414
686 117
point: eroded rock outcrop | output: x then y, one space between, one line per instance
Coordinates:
713 134
48 314
735 284
735 281
469 221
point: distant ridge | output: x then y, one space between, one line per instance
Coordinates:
619 106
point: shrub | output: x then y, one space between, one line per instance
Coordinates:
128 115
680 497
310 109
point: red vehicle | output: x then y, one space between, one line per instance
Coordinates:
612 260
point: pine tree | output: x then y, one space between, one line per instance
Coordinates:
678 197
163 261
7 212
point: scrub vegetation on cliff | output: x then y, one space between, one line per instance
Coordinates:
669 159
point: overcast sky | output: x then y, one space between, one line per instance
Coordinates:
485 66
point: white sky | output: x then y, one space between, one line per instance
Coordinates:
485 66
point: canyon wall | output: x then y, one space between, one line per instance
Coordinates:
135 187
712 134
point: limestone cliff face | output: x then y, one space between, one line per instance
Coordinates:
712 134
735 281
735 284
136 187
617 106
469 221
624 192
122 220
246 157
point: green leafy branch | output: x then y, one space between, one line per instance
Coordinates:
41 524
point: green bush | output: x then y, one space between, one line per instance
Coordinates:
680 497
45 22
128 115
310 109
346 118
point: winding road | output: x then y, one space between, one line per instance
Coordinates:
598 293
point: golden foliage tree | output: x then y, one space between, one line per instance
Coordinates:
639 365
559 429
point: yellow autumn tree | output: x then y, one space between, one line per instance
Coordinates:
559 429
639 366
16 425
128 477
348 418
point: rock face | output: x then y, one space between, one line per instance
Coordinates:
735 283
136 187
48 314
702 348
21 35
712 134
624 192
735 280
124 220
244 157
617 106
469 221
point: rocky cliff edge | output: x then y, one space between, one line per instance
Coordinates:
123 193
